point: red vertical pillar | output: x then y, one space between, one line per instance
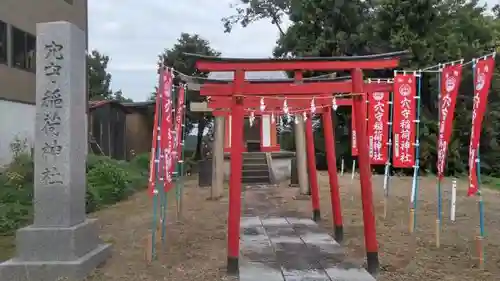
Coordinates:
233 225
359 106
332 174
311 163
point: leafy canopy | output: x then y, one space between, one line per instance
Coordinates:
434 31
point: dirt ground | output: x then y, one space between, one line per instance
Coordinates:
406 257
195 248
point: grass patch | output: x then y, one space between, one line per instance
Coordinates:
490 182
7 247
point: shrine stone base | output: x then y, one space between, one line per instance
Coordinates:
56 253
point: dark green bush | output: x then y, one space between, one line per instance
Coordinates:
108 181
106 184
141 161
16 193
13 216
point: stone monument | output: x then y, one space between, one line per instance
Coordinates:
62 244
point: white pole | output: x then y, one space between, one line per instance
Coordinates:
386 187
453 199
342 167
386 177
413 187
353 170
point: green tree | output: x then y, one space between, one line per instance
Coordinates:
324 28
118 95
439 31
249 11
100 79
433 30
174 57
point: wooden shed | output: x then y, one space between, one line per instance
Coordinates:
139 127
107 129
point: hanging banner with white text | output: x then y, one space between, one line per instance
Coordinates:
404 115
378 130
154 145
166 129
354 146
179 114
450 83
482 80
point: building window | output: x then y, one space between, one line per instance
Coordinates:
23 50
31 52
3 42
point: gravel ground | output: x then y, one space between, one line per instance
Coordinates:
195 248
415 257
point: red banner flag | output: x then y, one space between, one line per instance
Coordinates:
404 121
482 80
354 146
154 144
166 129
179 114
378 130
450 83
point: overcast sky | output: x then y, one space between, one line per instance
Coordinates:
134 32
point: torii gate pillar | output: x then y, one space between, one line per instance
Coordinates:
365 174
300 150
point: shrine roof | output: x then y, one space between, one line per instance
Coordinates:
303 59
101 103
140 104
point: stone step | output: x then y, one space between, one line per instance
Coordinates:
284 249
253 179
260 155
254 167
254 160
256 173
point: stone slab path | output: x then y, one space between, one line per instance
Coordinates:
284 248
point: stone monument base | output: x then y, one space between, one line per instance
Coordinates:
56 253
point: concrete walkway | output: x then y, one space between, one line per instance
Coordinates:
282 248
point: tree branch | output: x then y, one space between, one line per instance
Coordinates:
276 20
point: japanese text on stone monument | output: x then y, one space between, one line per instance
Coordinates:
51 103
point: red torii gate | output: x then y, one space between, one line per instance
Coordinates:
324 109
220 104
239 88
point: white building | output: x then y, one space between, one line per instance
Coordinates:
18 19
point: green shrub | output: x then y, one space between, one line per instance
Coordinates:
106 184
16 193
108 181
141 161
13 216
